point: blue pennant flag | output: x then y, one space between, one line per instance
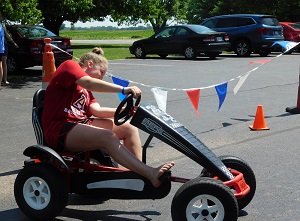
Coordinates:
221 91
120 82
287 45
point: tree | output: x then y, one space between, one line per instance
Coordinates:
55 12
156 12
21 11
284 10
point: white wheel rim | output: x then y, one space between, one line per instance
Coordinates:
205 208
36 193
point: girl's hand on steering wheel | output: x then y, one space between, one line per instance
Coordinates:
134 90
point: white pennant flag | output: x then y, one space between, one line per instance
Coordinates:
241 82
161 98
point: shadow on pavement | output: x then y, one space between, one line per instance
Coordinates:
24 78
107 215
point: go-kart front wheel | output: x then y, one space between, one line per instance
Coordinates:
204 199
243 167
41 191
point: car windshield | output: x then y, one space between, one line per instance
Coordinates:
295 26
200 29
271 21
35 32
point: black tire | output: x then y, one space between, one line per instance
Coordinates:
264 53
190 52
139 51
204 199
285 51
243 167
41 191
242 48
12 65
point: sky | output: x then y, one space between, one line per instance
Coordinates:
106 22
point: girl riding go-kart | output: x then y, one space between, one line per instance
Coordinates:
226 184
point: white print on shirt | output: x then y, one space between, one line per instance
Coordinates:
77 108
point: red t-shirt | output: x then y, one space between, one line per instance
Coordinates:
65 101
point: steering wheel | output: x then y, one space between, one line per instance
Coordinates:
123 114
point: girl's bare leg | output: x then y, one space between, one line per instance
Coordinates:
4 69
85 137
126 132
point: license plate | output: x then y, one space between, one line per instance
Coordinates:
219 39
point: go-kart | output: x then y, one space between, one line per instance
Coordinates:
225 185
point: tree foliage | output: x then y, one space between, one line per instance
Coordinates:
156 12
21 11
199 10
55 12
159 13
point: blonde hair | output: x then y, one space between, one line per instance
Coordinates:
97 59
98 50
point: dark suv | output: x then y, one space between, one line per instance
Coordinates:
248 32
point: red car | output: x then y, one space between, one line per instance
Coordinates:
291 32
30 40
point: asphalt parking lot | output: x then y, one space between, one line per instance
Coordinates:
273 154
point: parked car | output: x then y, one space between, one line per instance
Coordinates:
30 40
189 40
291 32
248 32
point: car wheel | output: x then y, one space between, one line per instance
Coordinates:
242 48
243 167
190 52
264 53
12 65
41 191
139 52
204 199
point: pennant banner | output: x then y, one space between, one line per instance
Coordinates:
161 98
160 93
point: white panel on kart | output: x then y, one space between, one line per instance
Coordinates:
129 184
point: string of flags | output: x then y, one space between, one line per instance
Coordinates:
160 93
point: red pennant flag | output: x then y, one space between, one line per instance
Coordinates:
194 95
260 61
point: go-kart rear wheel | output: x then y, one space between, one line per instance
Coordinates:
204 199
41 191
243 167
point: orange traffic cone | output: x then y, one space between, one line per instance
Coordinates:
48 63
259 121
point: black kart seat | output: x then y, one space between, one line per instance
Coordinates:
37 111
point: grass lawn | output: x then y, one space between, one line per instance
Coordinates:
104 35
112 51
